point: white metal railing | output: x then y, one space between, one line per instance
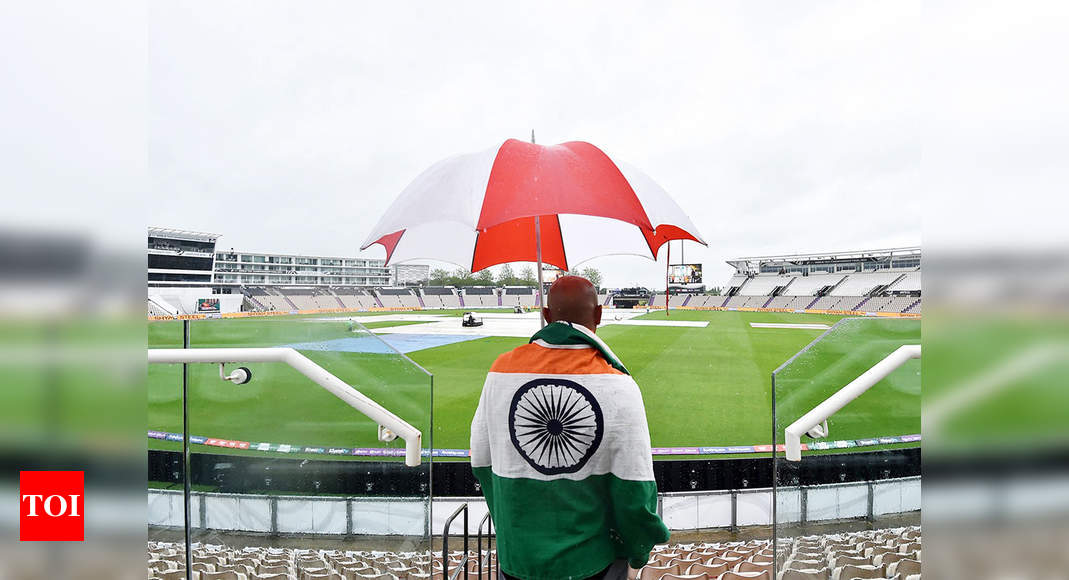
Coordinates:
390 425
815 422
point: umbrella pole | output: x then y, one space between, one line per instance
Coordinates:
667 269
538 254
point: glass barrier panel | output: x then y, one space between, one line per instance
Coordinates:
289 478
855 494
166 511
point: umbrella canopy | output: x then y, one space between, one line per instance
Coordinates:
480 209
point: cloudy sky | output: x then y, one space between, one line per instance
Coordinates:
780 130
779 127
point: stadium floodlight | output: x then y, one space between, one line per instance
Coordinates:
815 422
390 425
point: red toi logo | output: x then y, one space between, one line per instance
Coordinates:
51 506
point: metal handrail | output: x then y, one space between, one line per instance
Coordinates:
445 545
809 422
479 544
320 376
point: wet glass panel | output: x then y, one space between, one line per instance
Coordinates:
853 494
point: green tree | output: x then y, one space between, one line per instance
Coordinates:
715 291
439 277
462 277
505 277
592 274
484 278
527 277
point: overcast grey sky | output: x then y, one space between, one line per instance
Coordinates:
777 130
779 127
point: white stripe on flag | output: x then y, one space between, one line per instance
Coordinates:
624 449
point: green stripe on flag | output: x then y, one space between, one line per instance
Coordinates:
565 529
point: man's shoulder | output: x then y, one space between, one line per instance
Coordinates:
506 360
535 358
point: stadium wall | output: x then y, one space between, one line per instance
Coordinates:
388 516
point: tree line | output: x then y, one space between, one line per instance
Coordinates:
504 276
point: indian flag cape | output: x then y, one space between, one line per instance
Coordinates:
561 448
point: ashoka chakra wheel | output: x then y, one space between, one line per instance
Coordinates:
556 425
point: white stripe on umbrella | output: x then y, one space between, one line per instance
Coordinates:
438 215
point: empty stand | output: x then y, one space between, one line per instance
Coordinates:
811 285
884 553
483 297
271 298
440 297
398 297
836 302
764 285
314 298
910 282
862 284
736 281
354 298
514 296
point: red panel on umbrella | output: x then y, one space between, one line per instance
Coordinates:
389 241
666 233
514 241
571 178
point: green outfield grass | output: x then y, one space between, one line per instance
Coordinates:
701 386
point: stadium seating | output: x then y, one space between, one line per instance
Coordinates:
736 281
764 285
519 297
792 302
837 302
440 297
812 284
310 298
677 300
737 301
271 298
889 303
910 282
398 297
483 297
701 301
880 291
354 298
822 557
862 284
154 310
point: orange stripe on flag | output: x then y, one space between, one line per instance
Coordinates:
532 358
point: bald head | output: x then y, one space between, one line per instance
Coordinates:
573 299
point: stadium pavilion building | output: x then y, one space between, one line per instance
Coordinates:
886 280
188 274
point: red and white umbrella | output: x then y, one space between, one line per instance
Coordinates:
481 209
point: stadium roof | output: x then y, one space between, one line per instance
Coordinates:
182 234
908 251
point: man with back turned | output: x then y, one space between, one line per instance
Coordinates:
561 448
